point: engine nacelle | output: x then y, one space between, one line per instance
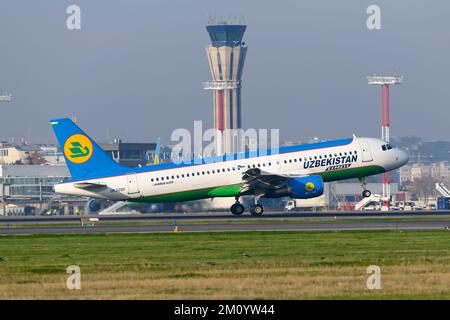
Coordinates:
306 187
299 188
93 205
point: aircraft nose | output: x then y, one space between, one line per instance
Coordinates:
402 157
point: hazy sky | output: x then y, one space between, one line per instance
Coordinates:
135 68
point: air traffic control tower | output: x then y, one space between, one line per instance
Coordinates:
226 56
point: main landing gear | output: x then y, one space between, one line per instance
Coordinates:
255 210
366 193
237 208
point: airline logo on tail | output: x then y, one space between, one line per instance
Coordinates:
78 148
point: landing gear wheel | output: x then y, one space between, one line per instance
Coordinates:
256 210
366 193
237 209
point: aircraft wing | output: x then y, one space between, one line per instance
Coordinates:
89 186
257 179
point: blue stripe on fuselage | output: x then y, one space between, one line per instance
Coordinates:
218 159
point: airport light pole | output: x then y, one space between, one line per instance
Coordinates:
4 98
385 82
4 191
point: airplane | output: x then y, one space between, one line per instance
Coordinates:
5 98
297 171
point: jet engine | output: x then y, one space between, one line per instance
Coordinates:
299 188
94 205
306 187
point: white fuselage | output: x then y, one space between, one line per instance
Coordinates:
150 182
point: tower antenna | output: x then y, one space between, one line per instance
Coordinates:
384 82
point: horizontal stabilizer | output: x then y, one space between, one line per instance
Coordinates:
89 186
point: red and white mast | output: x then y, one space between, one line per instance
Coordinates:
385 82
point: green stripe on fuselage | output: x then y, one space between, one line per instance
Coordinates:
233 190
222 191
351 173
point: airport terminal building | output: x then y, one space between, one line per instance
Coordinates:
130 154
27 188
22 186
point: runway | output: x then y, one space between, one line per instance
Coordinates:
246 226
225 216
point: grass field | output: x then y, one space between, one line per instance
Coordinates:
244 265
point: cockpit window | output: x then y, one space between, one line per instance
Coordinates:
386 147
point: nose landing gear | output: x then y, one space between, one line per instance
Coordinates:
366 193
